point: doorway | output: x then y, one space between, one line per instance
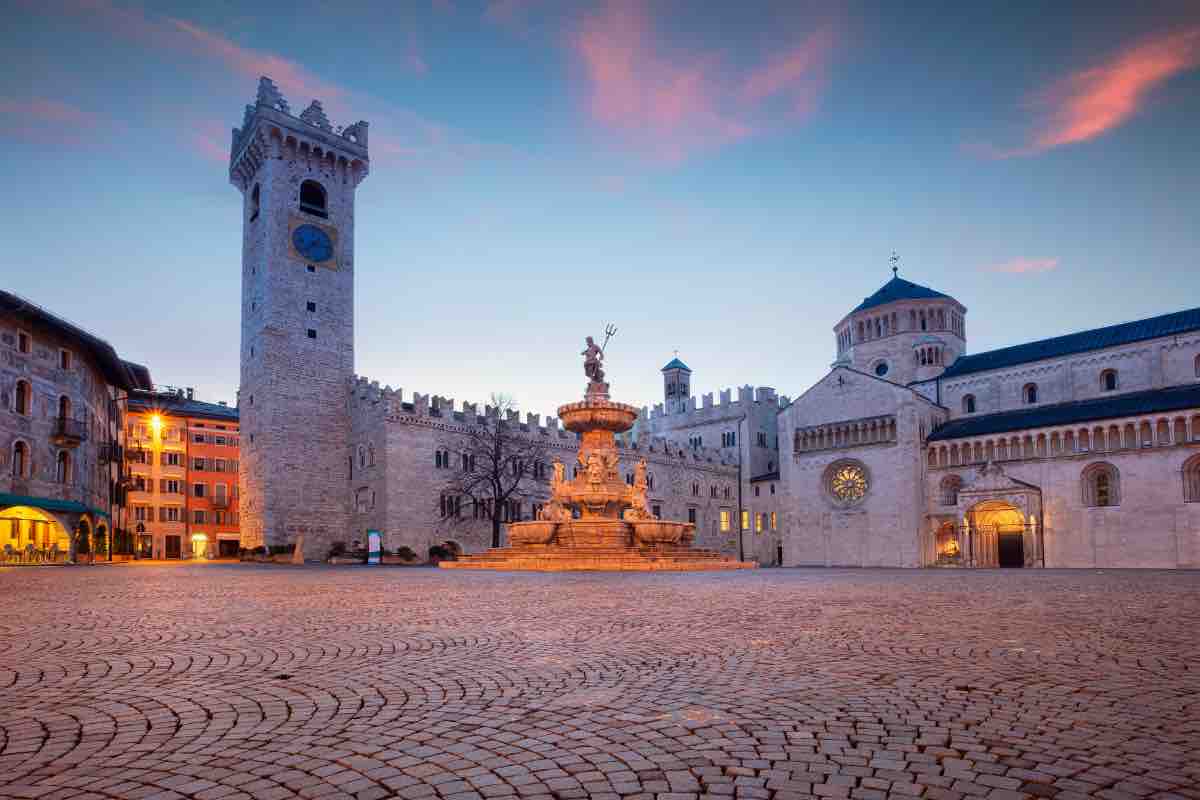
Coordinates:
1012 549
174 547
227 548
199 545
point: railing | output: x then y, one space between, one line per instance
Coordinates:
69 432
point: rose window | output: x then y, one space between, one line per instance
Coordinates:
847 482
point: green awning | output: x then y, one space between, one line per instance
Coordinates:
49 504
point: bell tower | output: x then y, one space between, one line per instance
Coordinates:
297 176
677 390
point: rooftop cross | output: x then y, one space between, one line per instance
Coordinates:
895 259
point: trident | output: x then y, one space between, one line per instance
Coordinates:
609 331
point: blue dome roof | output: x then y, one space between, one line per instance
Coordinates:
898 289
675 363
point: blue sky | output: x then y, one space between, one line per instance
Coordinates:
727 182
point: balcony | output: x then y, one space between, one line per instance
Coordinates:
219 501
68 432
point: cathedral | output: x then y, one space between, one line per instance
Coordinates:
1078 451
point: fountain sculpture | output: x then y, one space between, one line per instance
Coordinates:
596 521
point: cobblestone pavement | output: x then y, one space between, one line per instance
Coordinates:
236 681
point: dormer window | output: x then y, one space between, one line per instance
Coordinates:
313 199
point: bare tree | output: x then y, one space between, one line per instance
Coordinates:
492 465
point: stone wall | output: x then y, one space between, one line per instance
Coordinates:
295 426
406 483
884 528
1152 364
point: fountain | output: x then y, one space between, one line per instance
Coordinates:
596 521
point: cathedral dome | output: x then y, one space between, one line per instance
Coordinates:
899 289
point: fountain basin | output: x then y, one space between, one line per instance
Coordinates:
597 415
526 533
659 532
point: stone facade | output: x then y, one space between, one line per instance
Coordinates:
296 175
744 431
62 394
1079 451
398 480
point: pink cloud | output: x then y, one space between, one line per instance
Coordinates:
1089 103
671 105
45 120
801 66
210 141
1020 266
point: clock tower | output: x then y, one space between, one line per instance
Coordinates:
297 176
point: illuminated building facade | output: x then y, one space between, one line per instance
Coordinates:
182 460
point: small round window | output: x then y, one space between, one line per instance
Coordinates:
881 368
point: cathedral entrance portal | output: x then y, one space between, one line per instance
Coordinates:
998 534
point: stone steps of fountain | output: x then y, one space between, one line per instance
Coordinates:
597 557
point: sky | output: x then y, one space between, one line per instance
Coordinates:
722 179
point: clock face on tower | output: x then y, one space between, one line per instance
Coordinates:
312 243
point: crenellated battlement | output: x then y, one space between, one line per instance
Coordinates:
749 398
365 393
270 130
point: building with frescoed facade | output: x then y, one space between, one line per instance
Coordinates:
62 406
182 457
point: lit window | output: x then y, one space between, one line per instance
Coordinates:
724 519
774 521
745 520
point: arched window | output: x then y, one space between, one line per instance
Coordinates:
64 407
23 399
950 486
1191 480
362 456
1101 485
20 460
312 199
62 472
255 197
1108 380
968 404
371 455
1030 393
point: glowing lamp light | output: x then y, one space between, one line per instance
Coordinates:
156 423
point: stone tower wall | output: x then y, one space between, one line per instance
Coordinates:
293 398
